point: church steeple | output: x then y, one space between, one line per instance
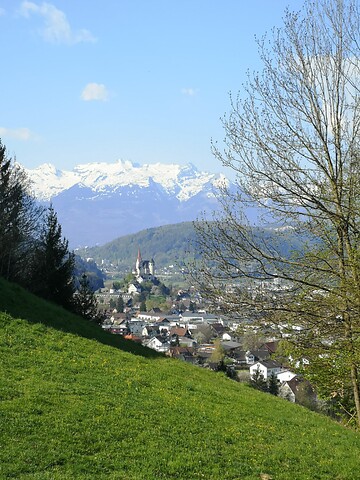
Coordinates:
138 263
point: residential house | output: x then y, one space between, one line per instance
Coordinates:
266 368
158 343
132 337
134 288
297 390
249 357
198 317
187 342
218 329
149 316
149 331
271 347
285 376
179 331
136 327
186 354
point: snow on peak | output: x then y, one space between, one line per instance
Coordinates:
182 181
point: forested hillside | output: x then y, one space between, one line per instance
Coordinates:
169 244
174 245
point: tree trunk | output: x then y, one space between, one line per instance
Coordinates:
356 391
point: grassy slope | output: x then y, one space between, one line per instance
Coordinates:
74 406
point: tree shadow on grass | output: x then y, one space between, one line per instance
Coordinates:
19 303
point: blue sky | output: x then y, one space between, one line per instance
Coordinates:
140 80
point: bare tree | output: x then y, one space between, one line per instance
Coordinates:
292 139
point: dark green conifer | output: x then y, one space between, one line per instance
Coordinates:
273 386
85 303
19 219
53 264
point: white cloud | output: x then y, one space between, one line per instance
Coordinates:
95 91
23 134
188 91
56 27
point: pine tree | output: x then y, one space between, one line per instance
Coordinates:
273 385
85 303
258 381
19 220
53 268
120 304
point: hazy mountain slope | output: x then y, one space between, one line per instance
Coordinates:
74 406
167 245
173 244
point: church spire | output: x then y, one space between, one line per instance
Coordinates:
138 263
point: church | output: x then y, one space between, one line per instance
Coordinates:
144 269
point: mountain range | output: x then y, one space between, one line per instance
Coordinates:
98 202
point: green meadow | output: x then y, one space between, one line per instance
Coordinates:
78 403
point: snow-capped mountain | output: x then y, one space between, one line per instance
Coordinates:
98 202
181 181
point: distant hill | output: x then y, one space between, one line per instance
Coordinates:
79 403
172 245
167 245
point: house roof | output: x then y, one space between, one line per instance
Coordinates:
181 331
269 363
231 345
182 350
218 327
262 355
155 310
162 320
271 346
161 338
132 337
152 328
295 383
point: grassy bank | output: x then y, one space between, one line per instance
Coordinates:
77 403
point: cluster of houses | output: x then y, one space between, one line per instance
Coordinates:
190 336
194 337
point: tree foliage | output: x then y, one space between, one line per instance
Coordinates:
120 304
292 139
53 264
218 354
32 250
19 220
273 385
85 303
258 381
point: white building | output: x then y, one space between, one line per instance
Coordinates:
266 368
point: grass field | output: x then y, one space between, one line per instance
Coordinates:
78 403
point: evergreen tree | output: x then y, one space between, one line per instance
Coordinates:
53 264
85 303
19 220
120 304
258 381
273 386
